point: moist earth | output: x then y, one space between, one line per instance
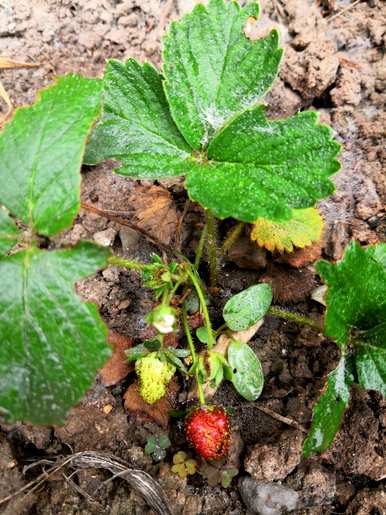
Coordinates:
334 63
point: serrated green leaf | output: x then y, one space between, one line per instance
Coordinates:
214 77
262 168
213 71
41 152
248 377
8 231
371 359
137 128
301 230
329 410
51 343
247 307
356 299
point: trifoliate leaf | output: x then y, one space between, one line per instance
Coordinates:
8 232
51 343
247 377
213 71
262 168
356 309
247 307
41 152
301 230
329 410
238 164
137 128
356 299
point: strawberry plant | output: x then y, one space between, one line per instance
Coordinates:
356 320
201 118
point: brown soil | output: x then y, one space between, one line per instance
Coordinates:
334 63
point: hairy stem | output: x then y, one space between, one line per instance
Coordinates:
192 348
125 263
212 246
232 236
200 294
200 247
293 317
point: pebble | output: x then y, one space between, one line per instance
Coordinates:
266 498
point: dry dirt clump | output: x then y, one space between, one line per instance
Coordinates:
335 63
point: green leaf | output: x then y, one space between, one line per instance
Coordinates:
174 360
356 297
152 345
164 441
151 445
137 352
137 128
213 71
51 343
247 307
329 410
262 168
41 152
248 378
202 334
301 230
8 232
371 359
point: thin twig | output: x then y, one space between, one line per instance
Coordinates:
123 221
347 8
285 420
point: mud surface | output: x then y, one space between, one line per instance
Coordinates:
334 63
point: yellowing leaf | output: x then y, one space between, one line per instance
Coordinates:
305 227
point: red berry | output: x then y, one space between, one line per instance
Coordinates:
208 431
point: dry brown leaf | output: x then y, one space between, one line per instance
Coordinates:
154 212
157 412
302 257
289 284
118 365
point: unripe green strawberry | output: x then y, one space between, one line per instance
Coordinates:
163 318
207 429
154 376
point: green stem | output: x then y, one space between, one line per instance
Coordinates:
125 263
200 247
204 308
232 236
200 391
281 313
212 246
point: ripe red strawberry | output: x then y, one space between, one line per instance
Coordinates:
207 429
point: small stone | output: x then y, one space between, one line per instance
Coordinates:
274 460
118 36
107 409
131 20
89 39
265 498
105 238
